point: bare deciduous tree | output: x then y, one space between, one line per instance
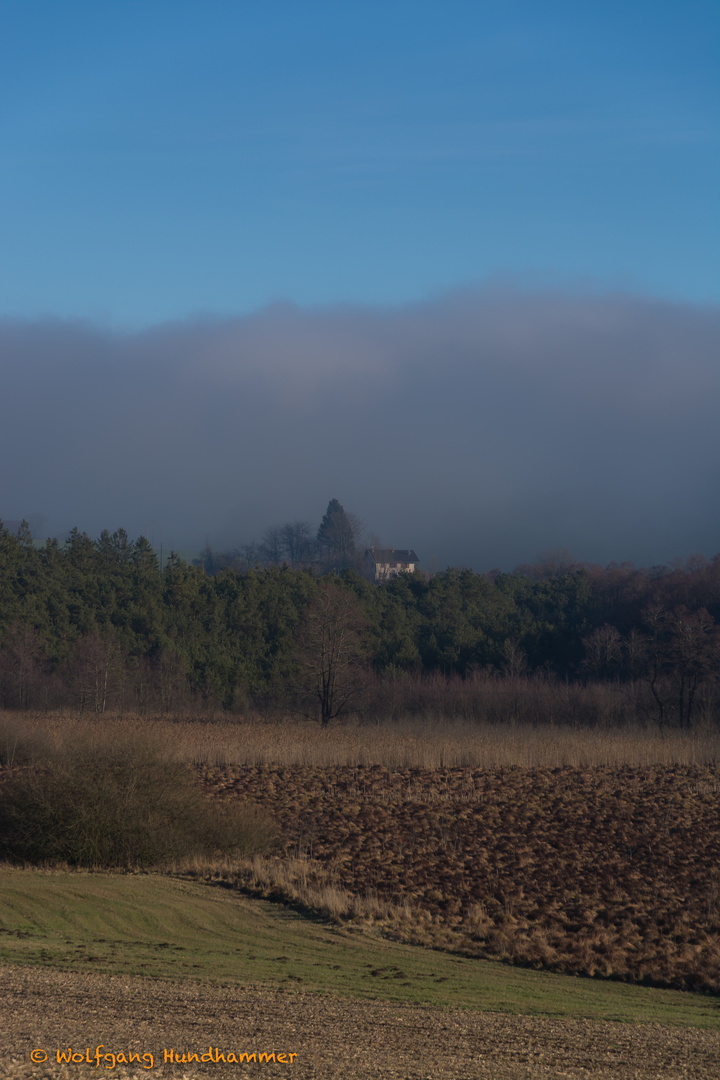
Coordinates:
331 651
603 651
97 671
682 652
297 541
273 548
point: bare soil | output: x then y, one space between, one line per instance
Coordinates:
609 871
44 1010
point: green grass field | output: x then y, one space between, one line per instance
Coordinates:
146 924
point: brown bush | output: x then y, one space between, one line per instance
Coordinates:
118 803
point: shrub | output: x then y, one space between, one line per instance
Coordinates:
20 743
119 804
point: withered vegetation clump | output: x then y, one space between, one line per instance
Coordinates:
605 871
118 802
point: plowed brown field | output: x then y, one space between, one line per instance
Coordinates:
610 871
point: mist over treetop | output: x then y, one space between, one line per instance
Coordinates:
480 427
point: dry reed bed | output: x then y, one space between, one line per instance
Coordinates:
610 871
426 743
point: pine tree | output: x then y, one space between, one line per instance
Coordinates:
336 535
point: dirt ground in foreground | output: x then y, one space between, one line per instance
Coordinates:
42 1009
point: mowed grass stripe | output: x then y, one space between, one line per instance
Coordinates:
168 928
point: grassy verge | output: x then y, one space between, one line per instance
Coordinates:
165 928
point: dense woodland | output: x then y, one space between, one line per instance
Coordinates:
97 625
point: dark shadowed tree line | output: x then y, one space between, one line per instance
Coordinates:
96 625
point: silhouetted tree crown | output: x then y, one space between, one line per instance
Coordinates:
336 535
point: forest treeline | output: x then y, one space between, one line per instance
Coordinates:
97 625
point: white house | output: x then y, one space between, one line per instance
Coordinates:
385 563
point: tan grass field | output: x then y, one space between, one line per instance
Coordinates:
424 743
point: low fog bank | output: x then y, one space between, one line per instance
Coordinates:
480 428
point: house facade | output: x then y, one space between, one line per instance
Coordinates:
385 563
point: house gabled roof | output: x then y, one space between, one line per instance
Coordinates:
392 556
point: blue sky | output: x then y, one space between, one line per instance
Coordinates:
164 159
454 264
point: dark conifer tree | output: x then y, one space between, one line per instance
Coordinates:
336 535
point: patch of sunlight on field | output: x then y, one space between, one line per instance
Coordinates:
165 928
